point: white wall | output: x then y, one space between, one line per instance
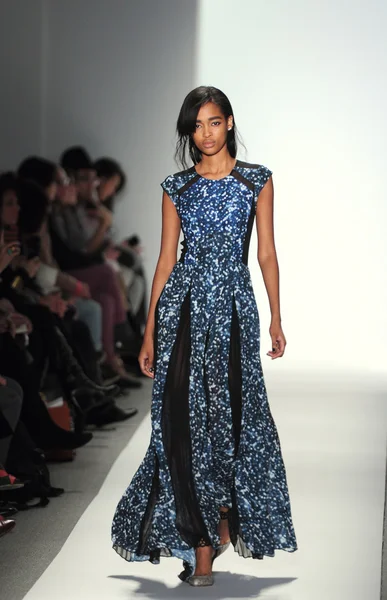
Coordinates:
308 87
117 73
21 45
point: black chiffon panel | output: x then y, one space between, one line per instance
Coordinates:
235 376
177 435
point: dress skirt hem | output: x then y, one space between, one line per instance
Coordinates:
188 556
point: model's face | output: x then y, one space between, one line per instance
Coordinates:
10 208
211 131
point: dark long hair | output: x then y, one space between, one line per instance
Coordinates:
186 123
108 167
34 206
8 182
37 169
33 201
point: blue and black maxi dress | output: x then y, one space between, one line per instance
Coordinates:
214 442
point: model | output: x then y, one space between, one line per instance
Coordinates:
213 473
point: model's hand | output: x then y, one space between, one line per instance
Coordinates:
278 341
145 358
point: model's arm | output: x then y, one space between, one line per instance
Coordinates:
267 259
170 234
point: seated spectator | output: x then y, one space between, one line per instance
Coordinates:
13 359
102 281
51 333
19 278
49 277
90 220
112 181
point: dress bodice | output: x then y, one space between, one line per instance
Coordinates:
216 214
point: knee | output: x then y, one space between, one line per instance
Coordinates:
11 396
106 303
95 310
15 387
90 308
109 277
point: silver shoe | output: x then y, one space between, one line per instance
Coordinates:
201 580
220 550
198 580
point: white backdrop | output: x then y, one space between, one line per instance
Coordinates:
21 70
307 82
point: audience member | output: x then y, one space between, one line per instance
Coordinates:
57 339
67 292
112 181
49 277
102 281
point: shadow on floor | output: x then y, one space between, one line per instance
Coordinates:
227 586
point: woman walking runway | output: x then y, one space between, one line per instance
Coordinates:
213 473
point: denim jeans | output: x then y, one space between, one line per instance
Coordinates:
90 313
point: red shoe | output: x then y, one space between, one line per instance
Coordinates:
6 525
9 482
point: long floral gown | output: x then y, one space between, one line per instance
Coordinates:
214 442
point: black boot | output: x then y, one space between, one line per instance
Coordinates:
71 369
46 433
112 414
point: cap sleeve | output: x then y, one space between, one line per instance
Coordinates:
262 176
169 186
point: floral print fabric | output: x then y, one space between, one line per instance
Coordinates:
235 457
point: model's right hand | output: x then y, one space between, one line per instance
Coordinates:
146 357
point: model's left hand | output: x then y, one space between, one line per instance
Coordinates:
278 341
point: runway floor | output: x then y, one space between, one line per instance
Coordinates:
332 430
